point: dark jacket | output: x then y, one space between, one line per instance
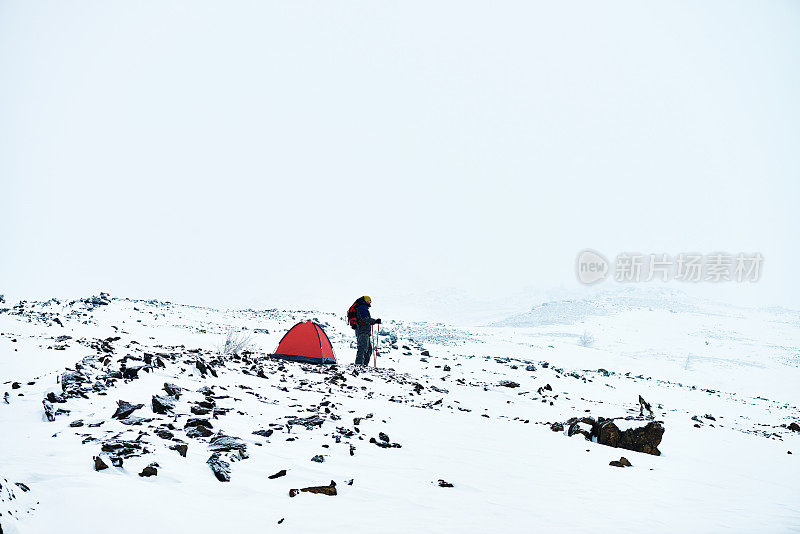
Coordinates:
362 314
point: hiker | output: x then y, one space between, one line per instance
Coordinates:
360 320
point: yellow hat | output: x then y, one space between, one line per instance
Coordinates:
367 299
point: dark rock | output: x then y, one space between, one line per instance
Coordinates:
530 368
163 404
23 487
123 448
622 462
116 461
149 471
49 411
794 427
325 490
198 421
163 433
172 390
318 458
124 409
640 439
424 353
76 423
509 384
265 433
223 443
99 464
557 427
444 484
220 468
281 473
182 448
383 437
53 397
309 422
15 385
199 432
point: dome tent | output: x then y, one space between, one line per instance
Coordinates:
306 342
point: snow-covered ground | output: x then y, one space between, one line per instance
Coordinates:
485 409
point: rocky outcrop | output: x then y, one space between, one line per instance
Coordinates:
644 437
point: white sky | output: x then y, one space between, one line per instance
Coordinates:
304 153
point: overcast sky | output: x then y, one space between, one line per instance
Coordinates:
304 153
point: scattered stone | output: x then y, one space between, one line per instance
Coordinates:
318 458
172 390
265 433
163 404
76 423
383 437
149 471
15 385
220 468
794 427
622 462
223 443
325 490
509 384
557 427
49 411
124 409
281 473
99 464
445 484
182 448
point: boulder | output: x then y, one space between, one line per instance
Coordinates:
124 409
325 490
220 468
163 404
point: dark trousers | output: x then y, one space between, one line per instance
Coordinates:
364 340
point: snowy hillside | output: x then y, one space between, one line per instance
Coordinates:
124 416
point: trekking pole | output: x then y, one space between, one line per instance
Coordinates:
377 337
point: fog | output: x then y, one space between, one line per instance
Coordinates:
299 154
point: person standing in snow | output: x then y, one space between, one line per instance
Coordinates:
361 321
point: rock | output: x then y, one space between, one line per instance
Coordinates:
15 385
172 390
530 368
76 423
309 422
557 427
70 379
622 462
318 458
424 353
163 404
99 464
264 433
220 468
116 461
794 427
223 443
49 411
445 484
163 433
509 384
640 439
281 473
199 432
124 409
325 490
53 397
383 437
197 422
123 448
149 471
182 448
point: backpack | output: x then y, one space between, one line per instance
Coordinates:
352 316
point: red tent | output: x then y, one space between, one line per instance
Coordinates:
306 342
